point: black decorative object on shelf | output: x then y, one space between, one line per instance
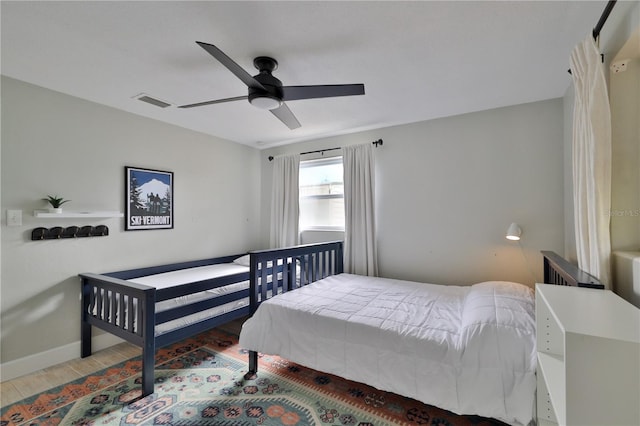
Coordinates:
39 233
55 233
59 232
85 231
70 232
99 231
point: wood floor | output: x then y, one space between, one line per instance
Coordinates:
31 384
42 380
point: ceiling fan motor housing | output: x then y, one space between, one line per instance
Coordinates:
271 97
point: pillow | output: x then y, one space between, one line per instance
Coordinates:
498 303
242 260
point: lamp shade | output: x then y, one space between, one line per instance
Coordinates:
514 232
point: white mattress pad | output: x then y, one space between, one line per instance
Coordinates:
190 275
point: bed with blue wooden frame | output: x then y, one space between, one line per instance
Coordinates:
433 343
156 306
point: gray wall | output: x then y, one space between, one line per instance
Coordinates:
57 144
447 189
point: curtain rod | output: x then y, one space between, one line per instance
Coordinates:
376 143
603 18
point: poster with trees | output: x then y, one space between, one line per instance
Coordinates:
149 199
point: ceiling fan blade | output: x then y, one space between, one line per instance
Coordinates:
217 101
236 69
285 115
292 93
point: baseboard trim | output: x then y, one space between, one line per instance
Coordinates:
32 363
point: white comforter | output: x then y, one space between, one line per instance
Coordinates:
470 350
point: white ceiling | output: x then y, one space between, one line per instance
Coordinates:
418 60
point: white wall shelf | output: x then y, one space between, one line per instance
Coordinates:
77 214
588 344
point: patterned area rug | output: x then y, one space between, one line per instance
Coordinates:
200 382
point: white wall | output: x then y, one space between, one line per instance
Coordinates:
56 144
447 190
625 179
625 157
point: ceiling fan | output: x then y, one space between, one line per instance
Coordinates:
267 92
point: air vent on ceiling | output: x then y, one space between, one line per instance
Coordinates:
150 100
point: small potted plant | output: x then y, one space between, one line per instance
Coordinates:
55 203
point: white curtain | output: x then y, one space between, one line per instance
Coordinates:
360 250
284 201
591 161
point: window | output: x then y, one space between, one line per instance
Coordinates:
322 194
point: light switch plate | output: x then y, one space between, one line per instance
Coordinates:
14 217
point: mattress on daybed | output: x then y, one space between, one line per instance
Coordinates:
189 275
195 274
470 350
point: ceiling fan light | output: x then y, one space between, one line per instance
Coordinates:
265 102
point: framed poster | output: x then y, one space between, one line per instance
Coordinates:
149 199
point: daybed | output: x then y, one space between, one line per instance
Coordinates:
468 349
156 306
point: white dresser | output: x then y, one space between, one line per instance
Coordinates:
588 344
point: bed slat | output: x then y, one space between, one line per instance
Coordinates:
129 316
263 281
286 276
113 314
